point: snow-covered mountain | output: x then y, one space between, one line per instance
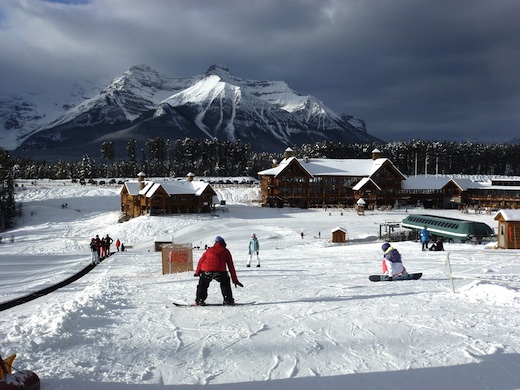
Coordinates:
143 104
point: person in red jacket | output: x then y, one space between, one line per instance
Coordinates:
212 266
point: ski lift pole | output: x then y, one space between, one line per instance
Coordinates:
448 263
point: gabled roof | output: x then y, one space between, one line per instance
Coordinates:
333 167
365 181
169 187
339 229
423 182
132 187
508 215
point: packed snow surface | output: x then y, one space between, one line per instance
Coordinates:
317 322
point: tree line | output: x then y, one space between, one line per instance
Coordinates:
160 157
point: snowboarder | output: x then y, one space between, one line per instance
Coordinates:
254 248
392 264
425 237
212 266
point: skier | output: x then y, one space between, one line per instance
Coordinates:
212 266
118 244
425 237
392 264
254 248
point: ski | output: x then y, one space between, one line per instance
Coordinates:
386 278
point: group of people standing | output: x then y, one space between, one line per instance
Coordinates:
100 248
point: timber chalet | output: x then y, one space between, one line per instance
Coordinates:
143 197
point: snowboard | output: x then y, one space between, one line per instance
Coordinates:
186 304
385 278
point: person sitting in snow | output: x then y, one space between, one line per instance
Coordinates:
392 264
212 266
438 246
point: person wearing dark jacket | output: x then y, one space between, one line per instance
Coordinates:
438 246
212 266
392 263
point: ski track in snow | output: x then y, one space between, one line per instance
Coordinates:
315 314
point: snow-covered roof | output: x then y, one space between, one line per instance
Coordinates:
364 181
132 187
508 215
171 187
332 167
340 229
422 182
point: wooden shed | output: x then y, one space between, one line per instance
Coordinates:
339 235
508 229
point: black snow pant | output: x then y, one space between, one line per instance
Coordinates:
205 279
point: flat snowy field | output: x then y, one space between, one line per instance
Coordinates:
317 322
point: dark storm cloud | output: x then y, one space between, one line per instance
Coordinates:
410 69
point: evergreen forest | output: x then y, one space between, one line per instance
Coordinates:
160 157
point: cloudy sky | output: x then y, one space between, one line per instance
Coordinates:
436 69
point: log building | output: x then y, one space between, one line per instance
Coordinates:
143 197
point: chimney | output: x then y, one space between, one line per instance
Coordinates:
140 179
190 176
376 154
289 153
275 163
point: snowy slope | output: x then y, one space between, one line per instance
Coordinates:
317 322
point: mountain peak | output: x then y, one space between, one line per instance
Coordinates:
218 70
141 68
142 104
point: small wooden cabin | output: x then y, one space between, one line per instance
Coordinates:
339 235
508 229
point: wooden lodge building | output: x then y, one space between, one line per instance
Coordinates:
319 182
166 197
